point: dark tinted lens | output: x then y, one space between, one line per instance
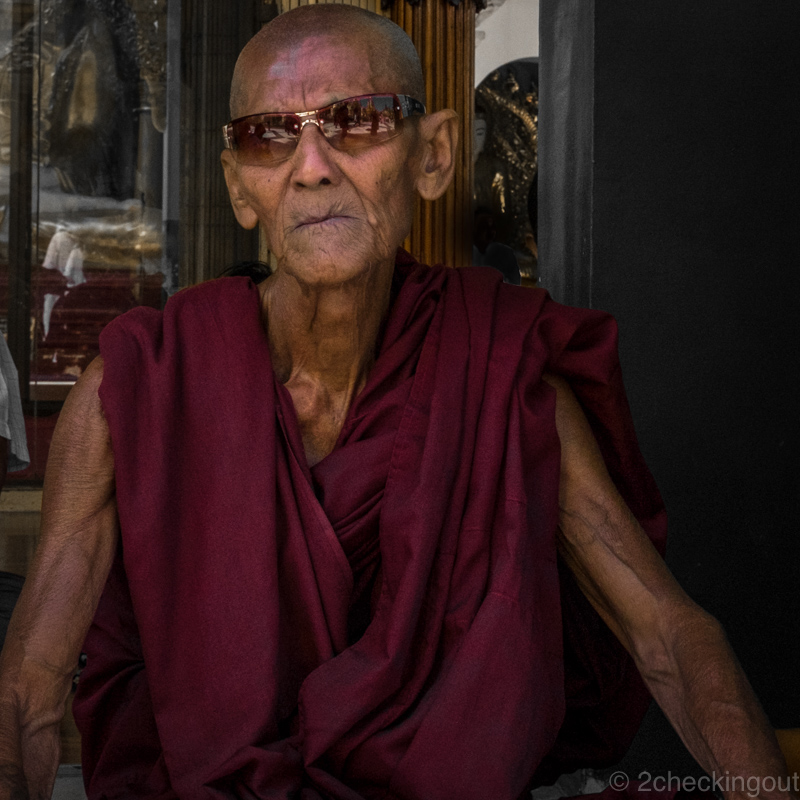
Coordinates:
360 123
265 138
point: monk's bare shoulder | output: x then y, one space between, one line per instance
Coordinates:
80 466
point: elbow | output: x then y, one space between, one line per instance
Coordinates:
683 638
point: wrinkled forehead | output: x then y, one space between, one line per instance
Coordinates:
313 72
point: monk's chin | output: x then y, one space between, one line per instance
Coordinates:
334 265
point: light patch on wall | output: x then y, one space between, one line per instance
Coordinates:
505 31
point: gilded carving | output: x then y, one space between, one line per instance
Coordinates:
508 101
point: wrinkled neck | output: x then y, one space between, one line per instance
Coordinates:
326 335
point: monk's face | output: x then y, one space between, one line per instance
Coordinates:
327 215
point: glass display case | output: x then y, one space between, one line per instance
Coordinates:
83 190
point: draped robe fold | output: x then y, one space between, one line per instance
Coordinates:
393 623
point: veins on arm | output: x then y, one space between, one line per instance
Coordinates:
680 650
76 548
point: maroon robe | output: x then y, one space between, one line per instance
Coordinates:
387 624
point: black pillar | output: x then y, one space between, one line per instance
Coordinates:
678 214
566 142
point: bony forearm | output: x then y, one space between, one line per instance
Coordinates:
13 785
12 782
28 764
712 706
41 753
32 704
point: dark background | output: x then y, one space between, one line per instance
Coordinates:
669 146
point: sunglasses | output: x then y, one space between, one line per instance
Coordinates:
270 138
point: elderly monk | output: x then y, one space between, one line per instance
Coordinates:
335 533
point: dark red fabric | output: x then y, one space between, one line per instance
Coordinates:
386 625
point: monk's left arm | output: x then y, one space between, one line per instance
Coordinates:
680 650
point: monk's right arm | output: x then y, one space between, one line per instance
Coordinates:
76 549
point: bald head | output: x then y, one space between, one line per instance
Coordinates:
335 204
385 47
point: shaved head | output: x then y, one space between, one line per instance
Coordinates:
332 209
389 52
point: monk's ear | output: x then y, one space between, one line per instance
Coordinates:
241 207
439 140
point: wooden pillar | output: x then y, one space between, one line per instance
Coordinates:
444 35
210 239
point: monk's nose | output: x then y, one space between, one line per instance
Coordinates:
312 159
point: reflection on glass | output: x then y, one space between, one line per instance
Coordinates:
90 74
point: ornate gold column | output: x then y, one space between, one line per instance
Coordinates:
444 35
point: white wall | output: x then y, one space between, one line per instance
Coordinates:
505 31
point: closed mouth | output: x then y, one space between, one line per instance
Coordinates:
320 220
